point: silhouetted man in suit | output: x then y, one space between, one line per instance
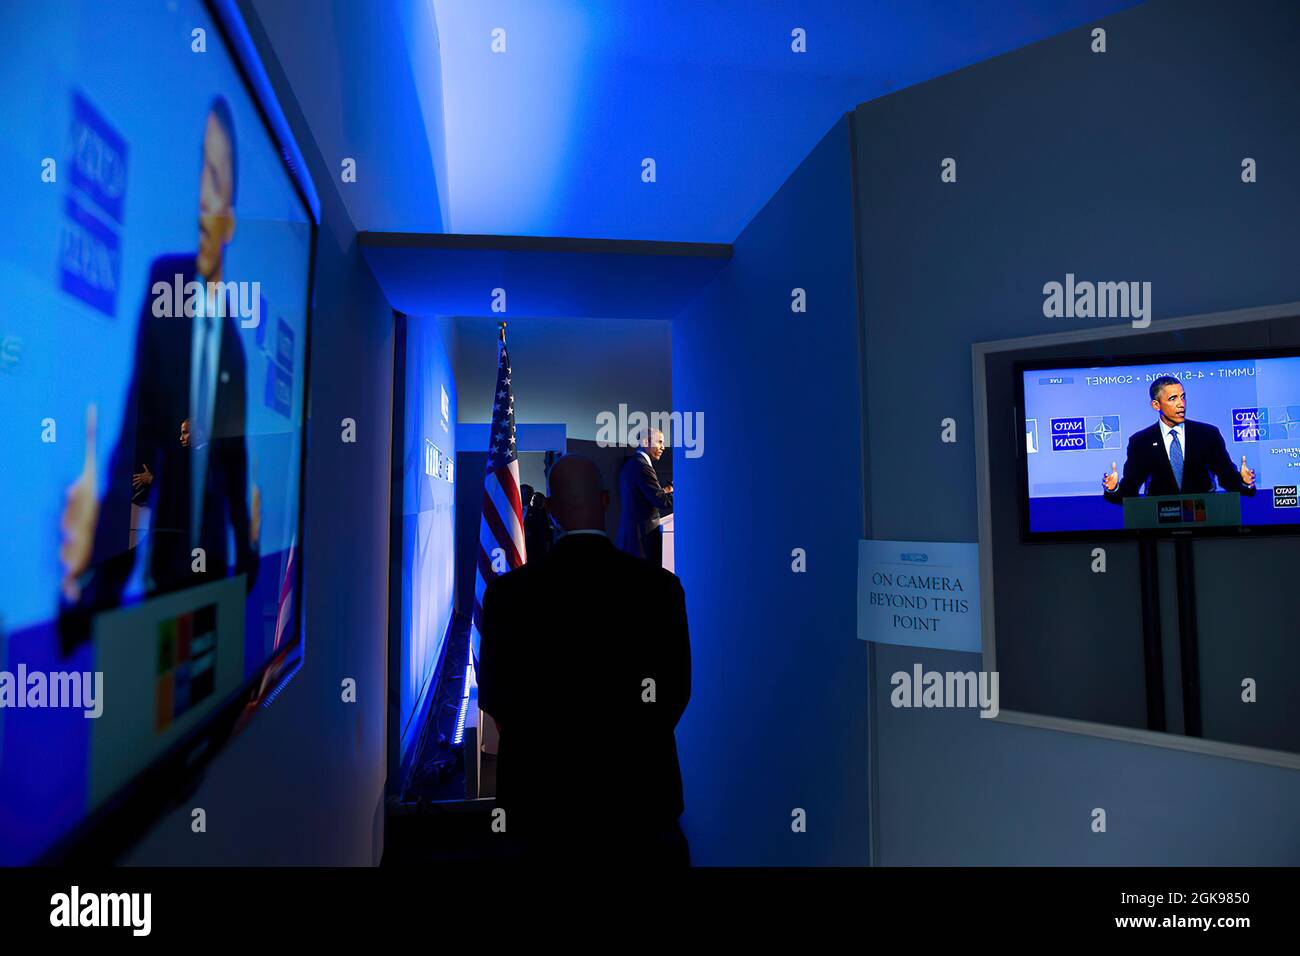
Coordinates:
537 526
587 696
1175 455
639 532
182 442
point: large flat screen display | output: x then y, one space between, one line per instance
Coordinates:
1199 443
153 342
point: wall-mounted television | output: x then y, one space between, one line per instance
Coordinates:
153 364
1204 443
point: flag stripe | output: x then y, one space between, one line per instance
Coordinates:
505 510
504 539
511 489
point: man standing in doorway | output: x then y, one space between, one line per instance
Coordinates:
639 531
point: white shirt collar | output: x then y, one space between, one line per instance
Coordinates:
565 534
646 455
1166 428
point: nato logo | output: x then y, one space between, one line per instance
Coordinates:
1068 434
90 258
1284 496
1031 436
279 389
1103 431
279 369
98 155
1274 423
90 255
283 344
1084 432
1250 424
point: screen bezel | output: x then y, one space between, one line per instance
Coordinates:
1027 536
106 832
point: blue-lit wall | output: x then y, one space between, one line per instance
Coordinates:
547 137
428 523
778 715
1123 165
368 80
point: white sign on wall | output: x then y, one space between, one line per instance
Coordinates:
919 593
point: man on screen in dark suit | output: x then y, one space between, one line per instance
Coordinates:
614 628
639 532
182 444
1175 455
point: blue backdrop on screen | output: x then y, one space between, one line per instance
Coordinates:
101 155
1078 421
428 516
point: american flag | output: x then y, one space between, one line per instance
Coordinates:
501 533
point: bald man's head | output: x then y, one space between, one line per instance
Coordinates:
576 495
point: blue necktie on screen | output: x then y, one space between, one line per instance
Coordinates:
1176 457
199 432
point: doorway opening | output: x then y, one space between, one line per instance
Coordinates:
567 378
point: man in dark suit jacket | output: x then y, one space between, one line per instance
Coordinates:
182 442
1175 455
587 765
639 532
